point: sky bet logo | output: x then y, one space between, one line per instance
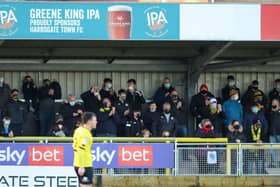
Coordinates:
36 156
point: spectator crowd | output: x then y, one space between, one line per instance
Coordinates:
122 113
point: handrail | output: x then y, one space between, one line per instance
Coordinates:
46 139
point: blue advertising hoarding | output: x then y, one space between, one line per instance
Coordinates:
114 155
89 21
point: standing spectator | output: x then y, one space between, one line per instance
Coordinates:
71 112
275 93
108 91
179 109
255 114
151 116
46 107
235 134
16 111
252 95
166 124
56 89
255 134
108 119
4 95
231 84
135 125
122 109
92 100
29 91
216 116
200 102
232 108
135 97
274 128
163 92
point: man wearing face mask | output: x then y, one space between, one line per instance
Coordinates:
231 84
252 115
274 129
16 111
108 91
151 115
71 112
29 91
58 129
232 108
275 93
163 92
122 109
108 119
92 99
217 116
135 97
135 125
200 103
167 122
252 95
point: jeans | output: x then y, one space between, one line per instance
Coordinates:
47 119
254 157
274 139
181 132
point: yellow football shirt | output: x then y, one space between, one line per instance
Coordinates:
82 142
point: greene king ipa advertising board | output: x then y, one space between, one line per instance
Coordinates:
98 21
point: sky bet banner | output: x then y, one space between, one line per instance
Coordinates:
156 155
98 21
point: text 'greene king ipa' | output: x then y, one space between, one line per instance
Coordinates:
119 22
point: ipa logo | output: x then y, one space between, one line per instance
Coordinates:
8 20
156 21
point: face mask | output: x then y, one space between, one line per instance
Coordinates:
1 81
274 108
213 105
15 97
152 110
109 85
60 126
255 110
278 87
166 111
130 88
138 115
231 84
105 104
235 97
255 87
72 103
174 97
123 97
167 85
236 127
203 92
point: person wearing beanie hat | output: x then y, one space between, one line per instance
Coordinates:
275 92
254 94
232 108
231 84
200 103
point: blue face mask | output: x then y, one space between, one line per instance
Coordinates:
167 85
255 110
72 103
152 110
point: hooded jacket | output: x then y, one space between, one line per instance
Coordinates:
234 134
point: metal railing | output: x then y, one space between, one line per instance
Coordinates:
216 157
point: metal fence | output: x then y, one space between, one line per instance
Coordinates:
193 158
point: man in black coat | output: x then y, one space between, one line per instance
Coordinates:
134 125
122 109
150 116
29 91
107 90
275 93
167 123
163 92
108 119
231 84
200 103
16 111
57 89
71 112
4 95
92 99
135 97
